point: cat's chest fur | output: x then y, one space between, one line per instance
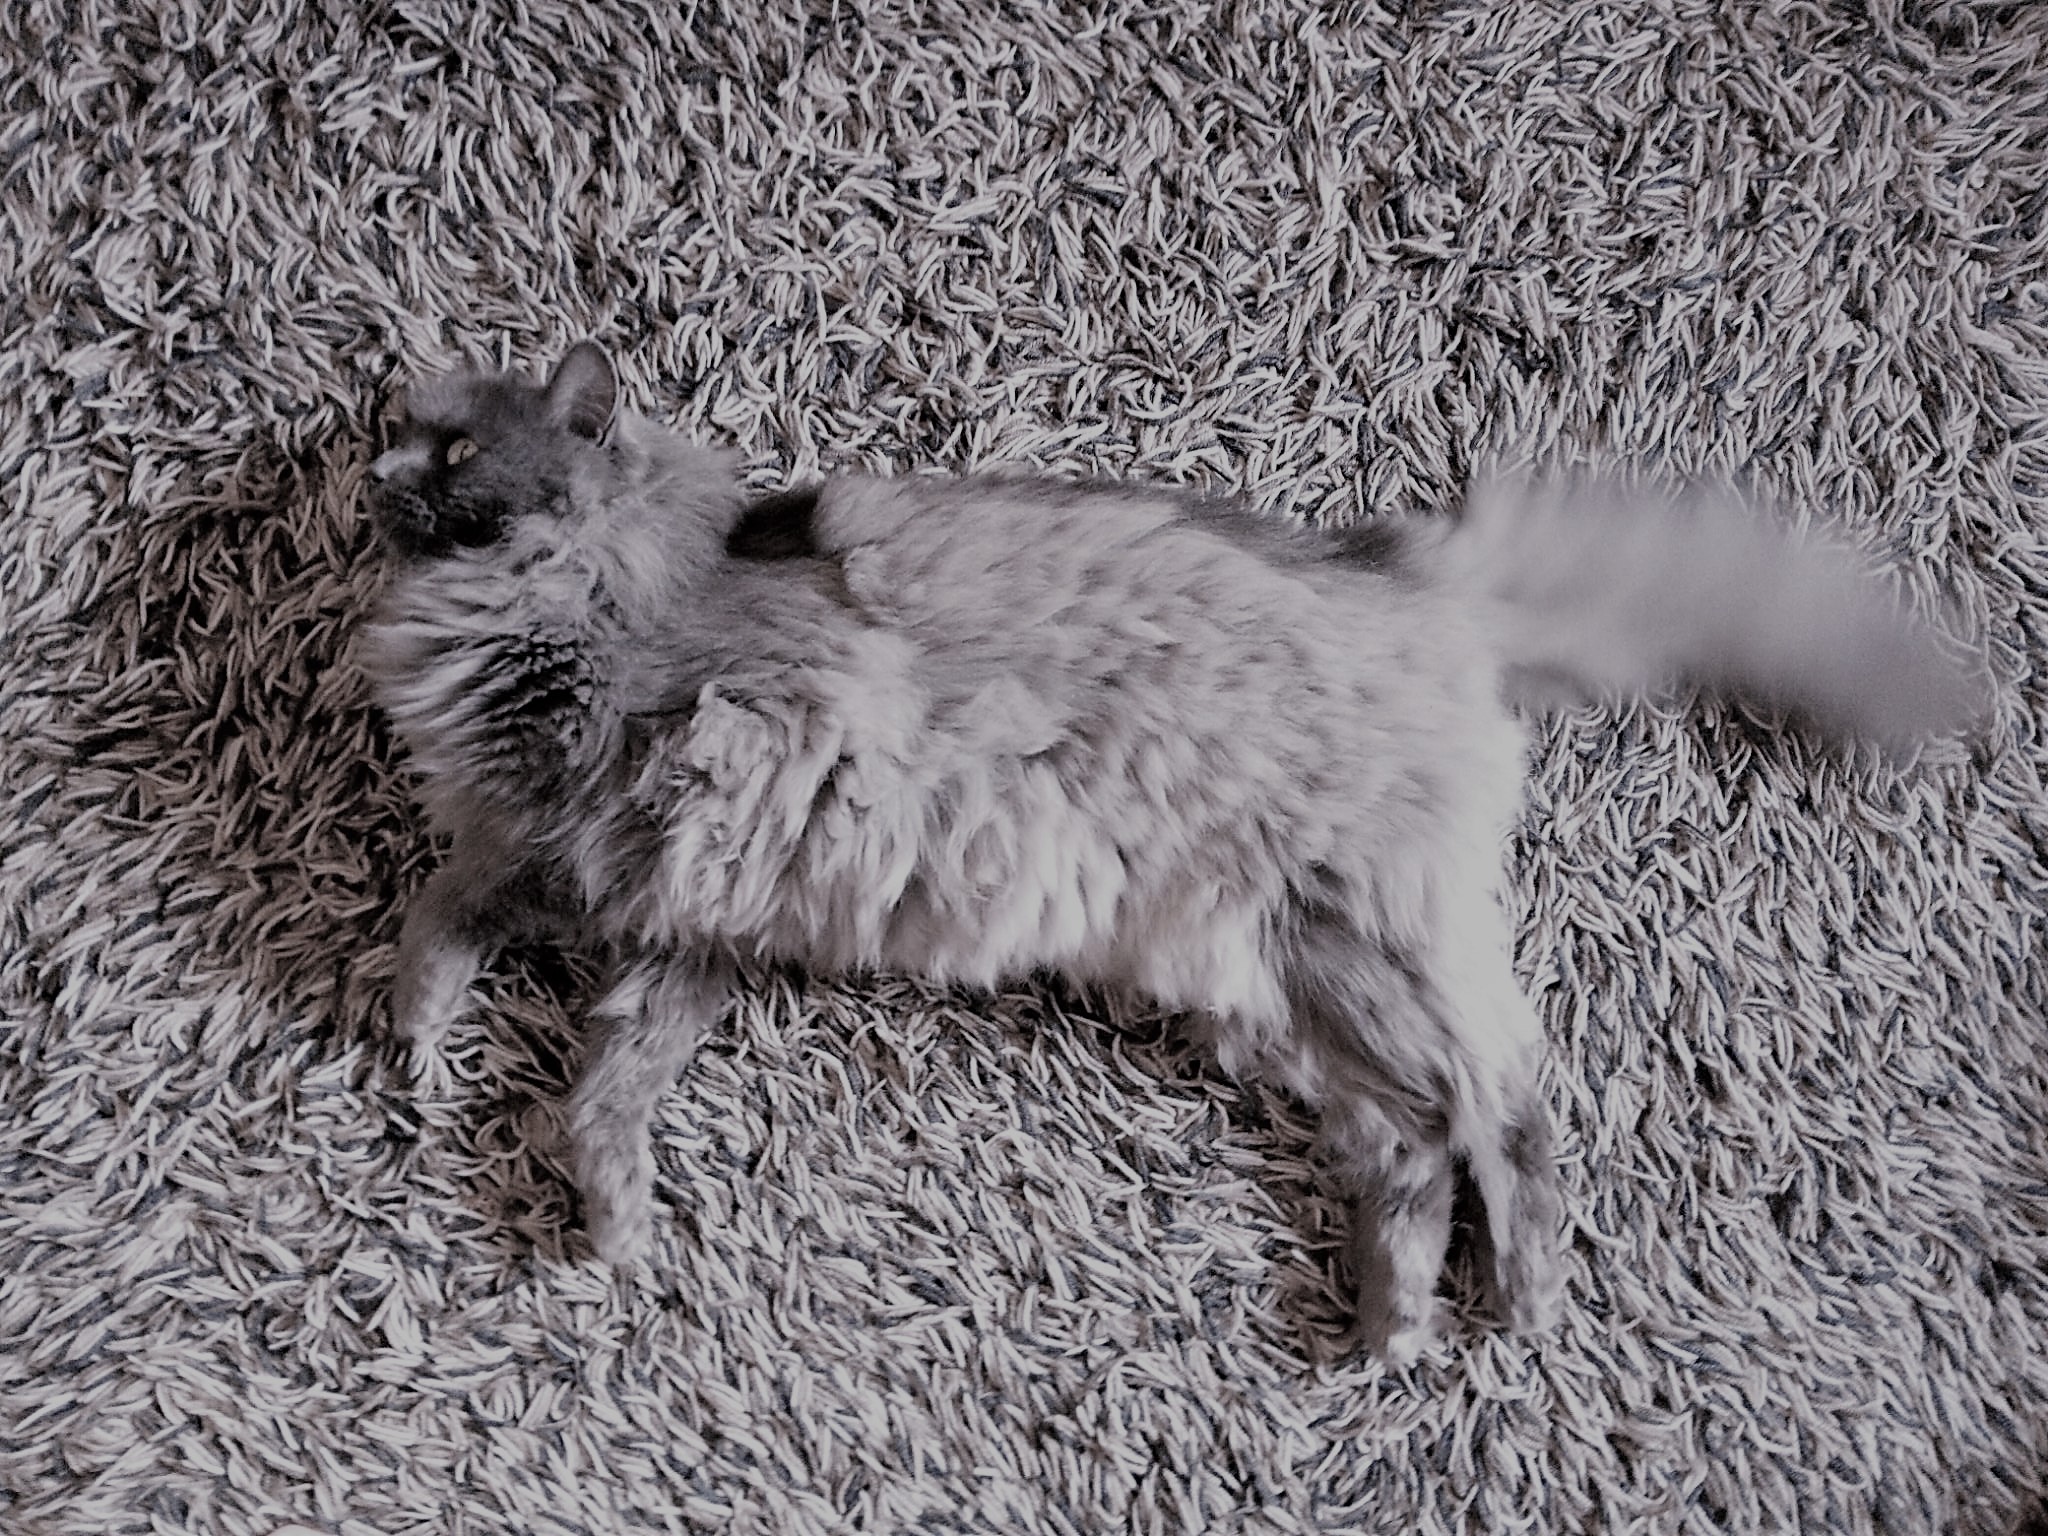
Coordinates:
495 694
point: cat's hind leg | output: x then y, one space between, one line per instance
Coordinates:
1504 1139
1362 1050
1420 1054
1500 1123
643 1032
1518 1183
1400 1181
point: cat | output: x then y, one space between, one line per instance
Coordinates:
969 729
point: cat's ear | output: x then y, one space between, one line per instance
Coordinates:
584 393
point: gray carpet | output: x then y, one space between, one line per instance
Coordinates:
944 1263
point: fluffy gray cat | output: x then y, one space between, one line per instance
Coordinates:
969 729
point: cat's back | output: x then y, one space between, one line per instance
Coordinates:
1127 595
1177 669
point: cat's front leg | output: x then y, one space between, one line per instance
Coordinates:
642 1033
459 918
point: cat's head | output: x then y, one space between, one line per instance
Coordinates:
476 453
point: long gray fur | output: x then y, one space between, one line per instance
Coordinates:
974 729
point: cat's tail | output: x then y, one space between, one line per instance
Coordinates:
1617 596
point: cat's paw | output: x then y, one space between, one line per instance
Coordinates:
615 1184
430 993
618 1237
1397 1335
1525 1247
1529 1289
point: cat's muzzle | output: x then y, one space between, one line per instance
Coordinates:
407 521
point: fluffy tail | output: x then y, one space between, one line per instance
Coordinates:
1617 598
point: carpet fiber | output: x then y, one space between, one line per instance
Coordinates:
945 1262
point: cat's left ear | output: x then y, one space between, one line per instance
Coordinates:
584 393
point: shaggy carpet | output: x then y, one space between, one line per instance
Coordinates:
946 1262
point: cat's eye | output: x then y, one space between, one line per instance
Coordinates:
461 450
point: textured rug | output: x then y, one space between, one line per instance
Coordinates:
945 1262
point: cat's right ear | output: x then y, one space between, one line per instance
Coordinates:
584 393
